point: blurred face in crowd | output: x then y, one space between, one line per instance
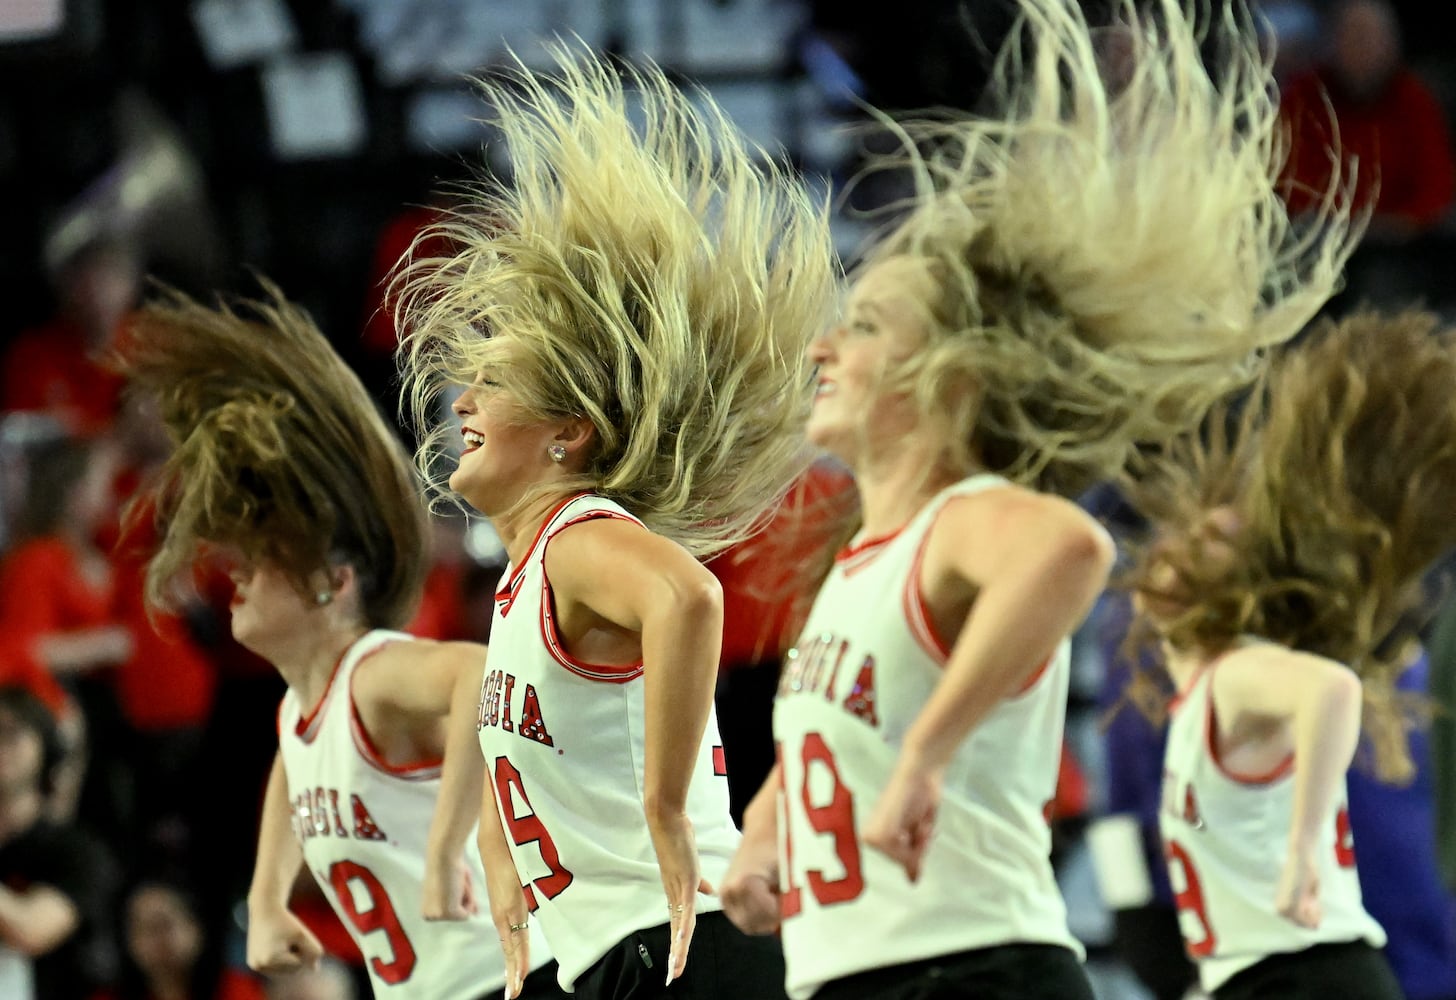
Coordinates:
98 289
1365 46
162 934
21 754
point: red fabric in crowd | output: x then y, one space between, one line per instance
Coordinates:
49 369
1400 140
169 681
42 591
763 603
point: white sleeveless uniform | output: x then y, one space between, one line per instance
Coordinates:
363 825
1226 836
564 742
865 667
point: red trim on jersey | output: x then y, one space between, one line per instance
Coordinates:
1210 739
917 615
853 558
307 726
606 672
420 770
922 626
505 594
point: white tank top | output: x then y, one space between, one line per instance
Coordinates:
363 826
1225 837
865 667
563 741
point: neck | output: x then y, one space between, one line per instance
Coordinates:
894 486
168 985
1183 665
306 662
518 526
19 811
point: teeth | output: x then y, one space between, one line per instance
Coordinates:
472 439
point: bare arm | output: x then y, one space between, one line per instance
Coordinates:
279 855
37 920
1035 564
277 940
659 591
507 899
1319 700
656 589
462 776
751 886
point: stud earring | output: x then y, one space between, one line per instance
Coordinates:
323 597
557 452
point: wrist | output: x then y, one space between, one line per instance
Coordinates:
923 755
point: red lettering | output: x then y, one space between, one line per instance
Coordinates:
533 724
860 701
1190 902
380 916
528 829
364 826
1344 839
506 704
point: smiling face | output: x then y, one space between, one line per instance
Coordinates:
506 451
857 414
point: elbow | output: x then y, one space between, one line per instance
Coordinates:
1343 695
699 599
1086 552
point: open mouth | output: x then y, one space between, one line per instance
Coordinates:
472 439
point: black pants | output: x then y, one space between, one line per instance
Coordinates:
1150 942
1353 971
723 964
1006 972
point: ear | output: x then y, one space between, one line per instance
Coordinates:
576 435
343 581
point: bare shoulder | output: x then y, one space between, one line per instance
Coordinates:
618 546
413 673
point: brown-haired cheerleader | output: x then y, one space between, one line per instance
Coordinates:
283 465
1282 564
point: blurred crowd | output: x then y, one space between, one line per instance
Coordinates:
134 746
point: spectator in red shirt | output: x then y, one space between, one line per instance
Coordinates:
1378 113
57 368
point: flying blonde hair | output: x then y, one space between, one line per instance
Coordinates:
662 280
1109 248
1336 491
280 453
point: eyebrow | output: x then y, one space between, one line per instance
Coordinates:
869 306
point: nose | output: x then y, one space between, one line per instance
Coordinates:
464 404
821 348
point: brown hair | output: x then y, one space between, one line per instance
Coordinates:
1338 484
281 455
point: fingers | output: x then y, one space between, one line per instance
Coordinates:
684 921
516 946
752 903
309 950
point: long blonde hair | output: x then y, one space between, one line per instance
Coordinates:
1338 486
1109 249
662 281
280 453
